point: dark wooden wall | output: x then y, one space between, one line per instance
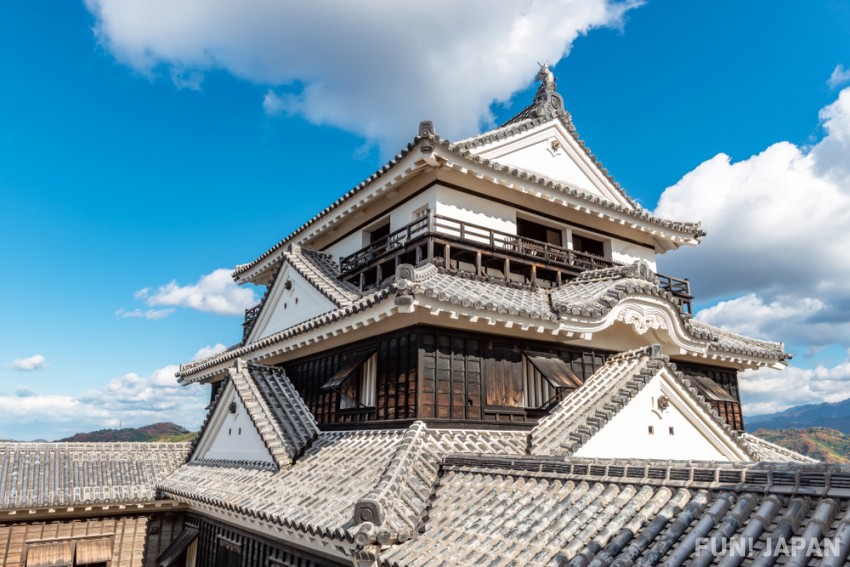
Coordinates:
398 362
221 545
480 377
432 373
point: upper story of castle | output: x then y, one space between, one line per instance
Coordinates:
519 232
527 203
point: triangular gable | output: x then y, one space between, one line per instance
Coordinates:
258 417
290 300
637 406
230 433
552 151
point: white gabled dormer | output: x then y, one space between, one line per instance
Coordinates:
541 139
230 434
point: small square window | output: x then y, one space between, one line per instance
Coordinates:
651 430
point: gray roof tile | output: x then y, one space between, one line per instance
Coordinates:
36 475
342 480
527 511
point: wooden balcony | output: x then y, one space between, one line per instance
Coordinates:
462 246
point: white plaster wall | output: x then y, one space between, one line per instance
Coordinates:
403 214
399 217
557 164
237 437
286 308
627 435
629 253
347 246
475 210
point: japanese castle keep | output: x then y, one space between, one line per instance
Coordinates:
467 359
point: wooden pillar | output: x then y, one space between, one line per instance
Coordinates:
533 274
507 270
478 263
448 255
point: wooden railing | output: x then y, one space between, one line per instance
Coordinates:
453 229
434 229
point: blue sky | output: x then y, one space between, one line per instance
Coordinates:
145 143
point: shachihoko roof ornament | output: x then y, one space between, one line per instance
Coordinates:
548 103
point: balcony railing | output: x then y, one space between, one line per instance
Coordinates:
482 250
249 321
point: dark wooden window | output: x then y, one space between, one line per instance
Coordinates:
537 231
588 245
380 232
726 378
254 550
383 386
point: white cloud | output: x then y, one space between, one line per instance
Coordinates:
29 363
369 67
146 314
768 391
209 350
777 252
132 400
214 293
839 77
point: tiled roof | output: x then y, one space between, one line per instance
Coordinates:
37 475
276 409
593 294
497 297
771 453
343 478
321 270
537 511
584 412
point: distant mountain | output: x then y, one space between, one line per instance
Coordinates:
159 432
832 415
820 443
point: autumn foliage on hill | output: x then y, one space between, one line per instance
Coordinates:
820 443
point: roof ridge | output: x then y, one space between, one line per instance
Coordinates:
799 457
373 507
297 426
259 412
304 261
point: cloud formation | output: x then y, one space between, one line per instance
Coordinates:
29 363
131 400
777 253
215 292
839 77
341 66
